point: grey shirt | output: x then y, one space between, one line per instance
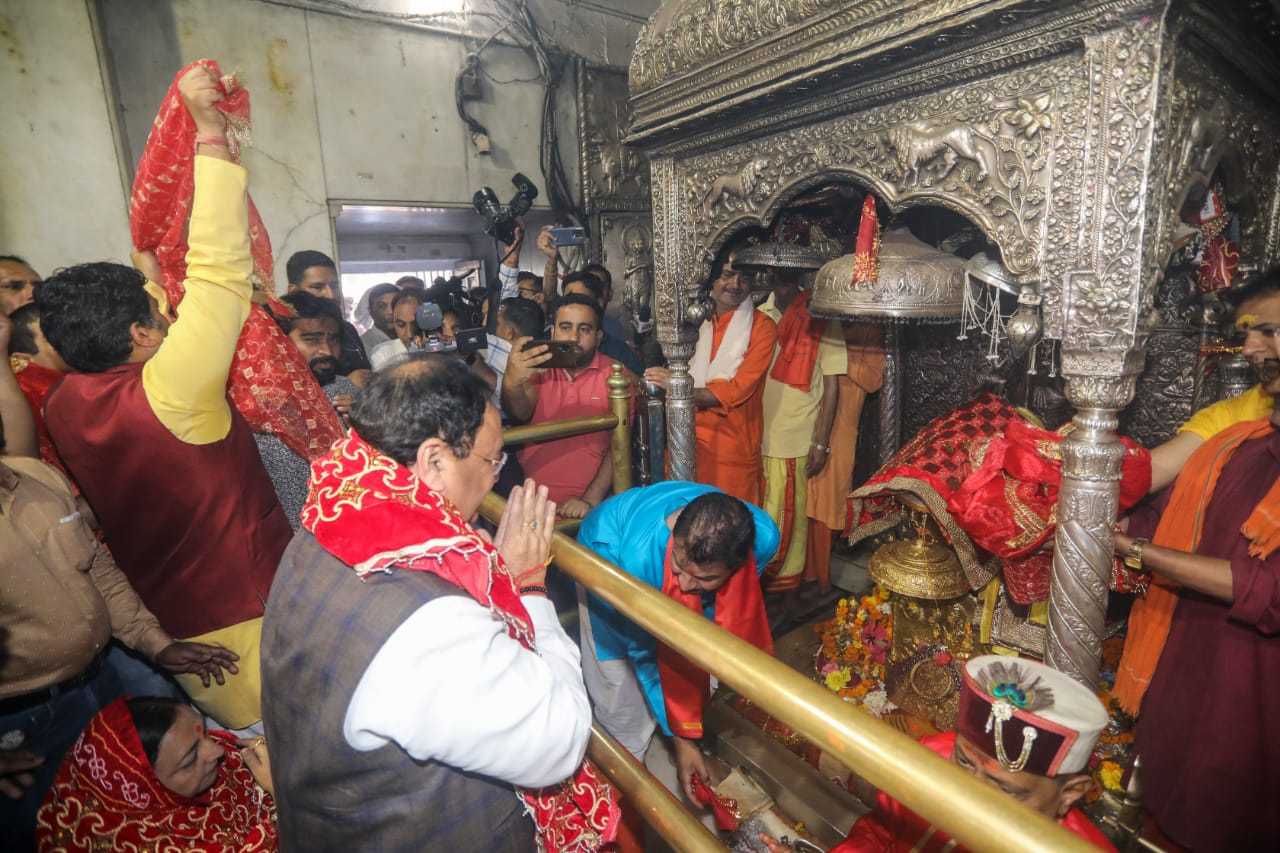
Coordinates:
289 472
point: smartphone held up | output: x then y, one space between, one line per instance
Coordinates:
563 353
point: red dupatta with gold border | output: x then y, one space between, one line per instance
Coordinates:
373 514
107 797
270 382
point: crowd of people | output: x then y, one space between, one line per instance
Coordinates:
222 506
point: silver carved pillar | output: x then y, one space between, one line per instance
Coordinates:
681 440
1098 231
672 309
1083 545
890 437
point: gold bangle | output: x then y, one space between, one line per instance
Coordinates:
1133 556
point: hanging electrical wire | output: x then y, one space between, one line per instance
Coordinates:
551 67
514 19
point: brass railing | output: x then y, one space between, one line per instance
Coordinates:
658 806
975 814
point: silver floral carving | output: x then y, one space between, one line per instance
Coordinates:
681 443
703 29
1068 132
984 153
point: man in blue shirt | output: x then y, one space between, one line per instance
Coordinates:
705 550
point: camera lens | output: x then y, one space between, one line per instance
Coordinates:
486 203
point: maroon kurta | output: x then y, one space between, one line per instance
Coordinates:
1210 760
195 527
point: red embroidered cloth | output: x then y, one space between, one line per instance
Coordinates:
991 481
107 797
374 515
270 382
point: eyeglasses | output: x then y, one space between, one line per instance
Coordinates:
529 293
496 464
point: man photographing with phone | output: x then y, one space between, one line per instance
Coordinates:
575 470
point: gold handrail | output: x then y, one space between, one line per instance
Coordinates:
660 808
975 814
558 429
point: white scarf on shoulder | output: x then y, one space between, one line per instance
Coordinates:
733 347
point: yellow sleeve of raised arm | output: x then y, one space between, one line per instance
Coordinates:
186 380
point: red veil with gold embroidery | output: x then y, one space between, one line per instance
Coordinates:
270 382
374 515
107 797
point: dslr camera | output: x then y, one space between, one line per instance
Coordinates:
500 222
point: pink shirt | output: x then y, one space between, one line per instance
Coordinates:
566 466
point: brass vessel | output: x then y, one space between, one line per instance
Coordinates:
920 567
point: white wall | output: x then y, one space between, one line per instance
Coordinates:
61 196
344 109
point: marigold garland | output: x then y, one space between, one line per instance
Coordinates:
853 657
854 653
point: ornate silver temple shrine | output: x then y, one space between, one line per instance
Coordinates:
1069 132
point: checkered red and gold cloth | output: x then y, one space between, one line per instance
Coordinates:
991 481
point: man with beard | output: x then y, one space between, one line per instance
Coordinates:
576 470
315 273
17 283
316 330
1203 643
591 282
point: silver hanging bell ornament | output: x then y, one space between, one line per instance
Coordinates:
1024 328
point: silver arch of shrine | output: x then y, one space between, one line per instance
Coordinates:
1070 132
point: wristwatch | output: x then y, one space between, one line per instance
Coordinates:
1133 557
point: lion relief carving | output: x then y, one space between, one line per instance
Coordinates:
917 146
736 185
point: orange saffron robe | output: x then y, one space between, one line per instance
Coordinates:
729 436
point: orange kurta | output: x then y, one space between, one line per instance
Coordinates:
729 435
829 490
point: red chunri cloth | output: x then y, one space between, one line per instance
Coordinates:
1008 503
376 516
108 797
991 480
270 382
